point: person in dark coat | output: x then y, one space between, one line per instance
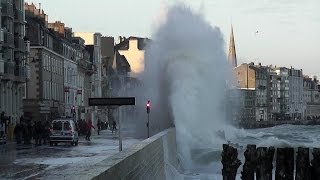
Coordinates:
99 124
114 126
38 132
18 133
46 132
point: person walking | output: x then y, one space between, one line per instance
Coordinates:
106 124
18 133
114 126
99 126
89 126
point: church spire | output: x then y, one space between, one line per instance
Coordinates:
232 57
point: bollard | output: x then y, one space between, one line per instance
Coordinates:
303 170
230 162
315 164
264 163
250 163
284 164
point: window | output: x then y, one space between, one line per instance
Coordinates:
57 126
66 126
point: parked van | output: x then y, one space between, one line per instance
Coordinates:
63 130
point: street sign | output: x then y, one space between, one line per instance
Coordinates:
118 101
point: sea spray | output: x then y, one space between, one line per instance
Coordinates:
185 78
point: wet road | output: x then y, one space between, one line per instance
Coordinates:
29 161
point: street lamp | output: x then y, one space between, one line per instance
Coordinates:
148 114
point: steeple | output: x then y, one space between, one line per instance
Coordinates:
232 57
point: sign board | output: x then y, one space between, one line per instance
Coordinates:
118 101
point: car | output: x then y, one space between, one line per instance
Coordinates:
63 130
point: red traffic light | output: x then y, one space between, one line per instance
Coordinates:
148 106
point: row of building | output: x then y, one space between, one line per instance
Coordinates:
270 93
49 71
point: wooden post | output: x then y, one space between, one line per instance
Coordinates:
264 163
284 164
230 162
303 164
315 164
250 163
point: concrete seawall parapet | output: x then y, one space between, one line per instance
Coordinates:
145 160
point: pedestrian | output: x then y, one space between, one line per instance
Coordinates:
46 132
114 126
38 132
89 126
99 126
106 124
18 133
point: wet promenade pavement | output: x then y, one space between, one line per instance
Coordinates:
29 161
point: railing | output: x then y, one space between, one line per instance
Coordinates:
20 71
8 39
259 163
8 68
18 15
19 44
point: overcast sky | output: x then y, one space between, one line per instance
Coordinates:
288 30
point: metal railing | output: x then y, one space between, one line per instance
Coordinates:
18 15
8 39
20 71
8 68
19 44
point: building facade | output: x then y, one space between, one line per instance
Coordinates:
93 46
12 58
296 94
255 78
44 99
311 98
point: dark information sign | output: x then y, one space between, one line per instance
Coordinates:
118 101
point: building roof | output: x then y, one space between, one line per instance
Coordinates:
124 44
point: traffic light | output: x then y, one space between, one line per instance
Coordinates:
148 106
73 110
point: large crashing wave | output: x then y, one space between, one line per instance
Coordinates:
185 77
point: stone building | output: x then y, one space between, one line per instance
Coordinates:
279 88
93 46
241 106
13 54
255 77
72 53
296 94
44 98
84 80
311 97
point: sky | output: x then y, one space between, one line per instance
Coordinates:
288 30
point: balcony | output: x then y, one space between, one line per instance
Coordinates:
7 72
7 10
18 16
8 39
19 44
20 74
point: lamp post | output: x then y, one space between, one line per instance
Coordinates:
148 114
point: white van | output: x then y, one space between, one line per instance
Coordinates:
63 130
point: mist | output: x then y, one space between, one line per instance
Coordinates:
185 77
